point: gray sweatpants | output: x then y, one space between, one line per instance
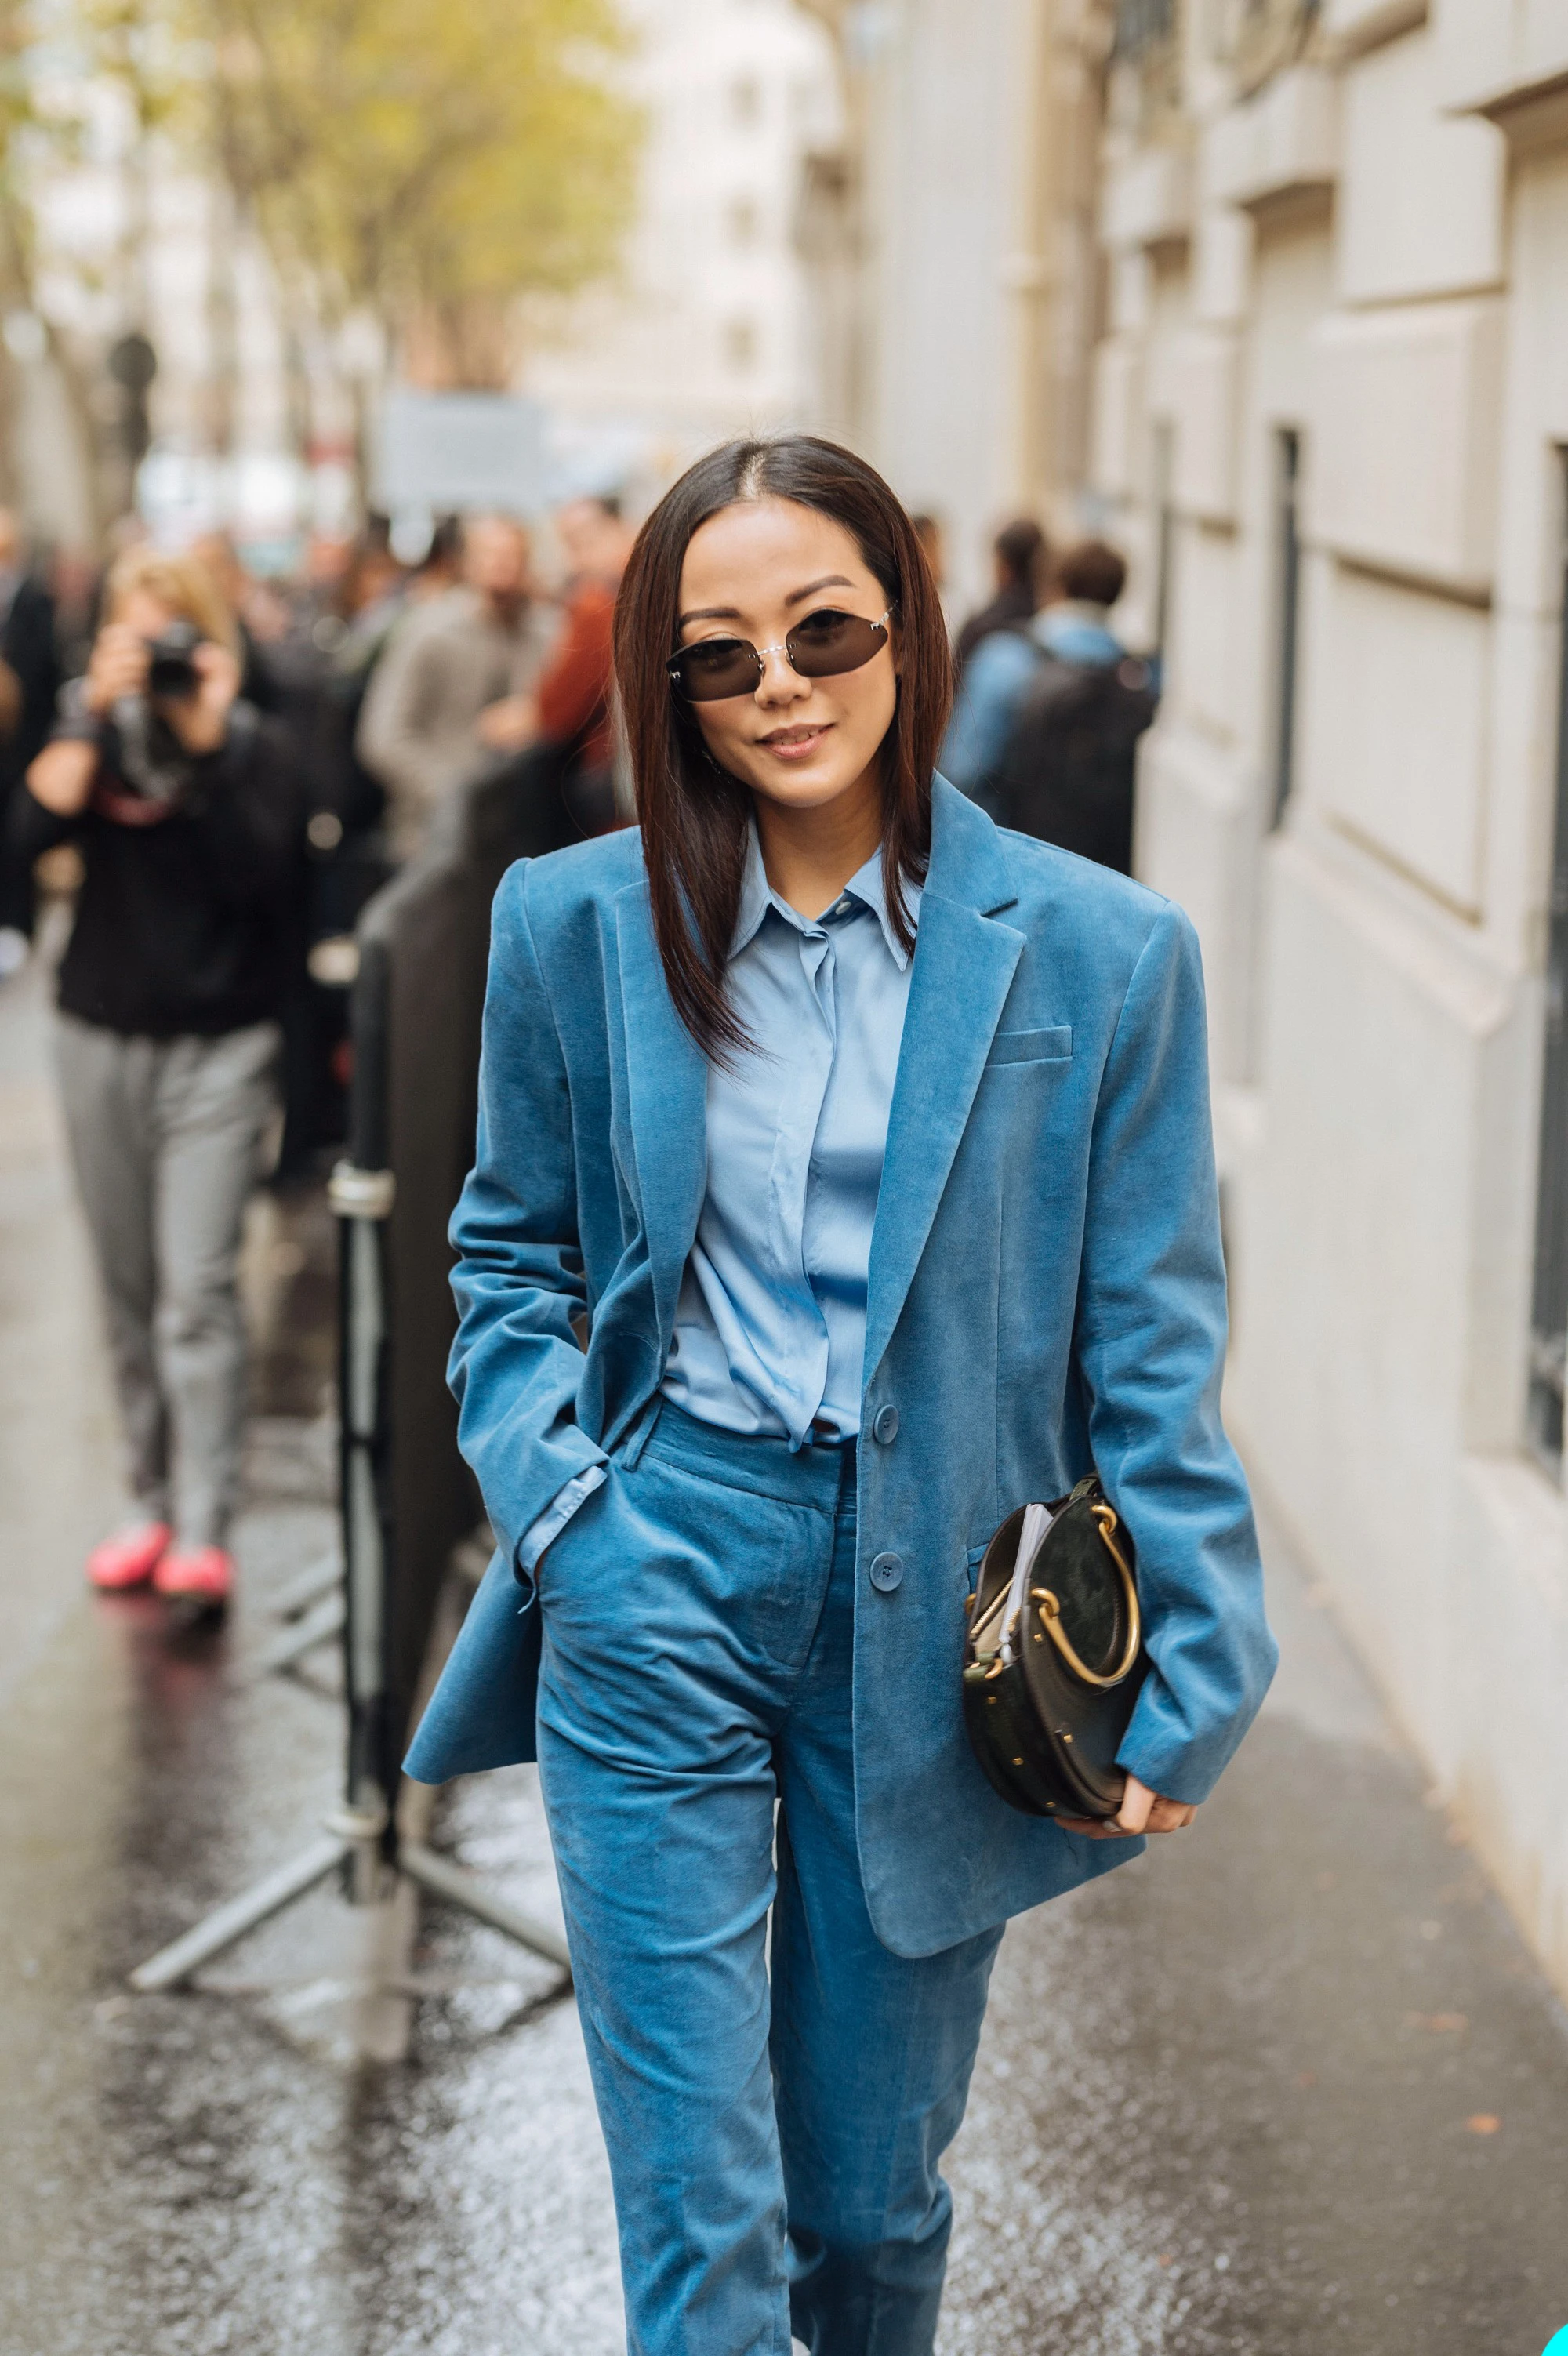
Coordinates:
163 1137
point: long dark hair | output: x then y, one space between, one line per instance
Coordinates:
694 813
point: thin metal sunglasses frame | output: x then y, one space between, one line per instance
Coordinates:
672 663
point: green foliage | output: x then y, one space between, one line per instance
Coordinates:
402 155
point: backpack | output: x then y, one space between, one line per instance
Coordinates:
1068 769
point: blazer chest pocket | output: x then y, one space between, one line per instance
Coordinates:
1052 1046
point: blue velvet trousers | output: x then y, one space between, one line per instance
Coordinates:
775 2113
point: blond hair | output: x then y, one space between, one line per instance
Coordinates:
182 581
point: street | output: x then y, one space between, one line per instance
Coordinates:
1291 2083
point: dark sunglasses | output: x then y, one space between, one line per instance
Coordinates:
823 646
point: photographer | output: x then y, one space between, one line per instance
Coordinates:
183 803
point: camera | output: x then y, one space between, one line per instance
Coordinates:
171 671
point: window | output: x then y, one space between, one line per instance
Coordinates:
1146 89
740 344
1142 25
1257 38
1287 544
1549 1308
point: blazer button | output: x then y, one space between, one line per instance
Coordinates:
887 1572
884 1425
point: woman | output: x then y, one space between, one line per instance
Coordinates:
183 803
874 1147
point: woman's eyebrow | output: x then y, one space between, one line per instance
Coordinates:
828 581
796 597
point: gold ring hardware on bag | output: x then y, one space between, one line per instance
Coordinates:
1046 1728
1050 1611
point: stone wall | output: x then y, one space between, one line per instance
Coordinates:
1360 261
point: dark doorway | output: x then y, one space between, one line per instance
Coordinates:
1287 544
1549 1309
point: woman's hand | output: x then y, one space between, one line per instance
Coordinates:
62 777
201 721
1142 1811
10 700
509 725
118 667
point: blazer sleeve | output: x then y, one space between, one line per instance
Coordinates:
1151 1334
515 1363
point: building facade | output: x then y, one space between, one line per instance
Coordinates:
702 334
1331 420
955 277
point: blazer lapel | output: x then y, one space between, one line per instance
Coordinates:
667 1096
963 968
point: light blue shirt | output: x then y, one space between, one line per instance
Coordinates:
996 681
770 1324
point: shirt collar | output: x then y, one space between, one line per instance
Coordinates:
866 885
758 895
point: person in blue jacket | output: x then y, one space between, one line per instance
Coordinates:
869 1149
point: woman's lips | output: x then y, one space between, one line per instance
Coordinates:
794 743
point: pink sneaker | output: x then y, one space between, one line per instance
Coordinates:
196 1574
130 1557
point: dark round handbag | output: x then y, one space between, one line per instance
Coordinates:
1053 1656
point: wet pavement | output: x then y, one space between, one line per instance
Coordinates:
1290 2084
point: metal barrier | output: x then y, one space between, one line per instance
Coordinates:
408 1499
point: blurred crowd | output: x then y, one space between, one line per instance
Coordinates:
218 769
384 684
376 688
1049 704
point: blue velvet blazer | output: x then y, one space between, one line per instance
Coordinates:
1047 1292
